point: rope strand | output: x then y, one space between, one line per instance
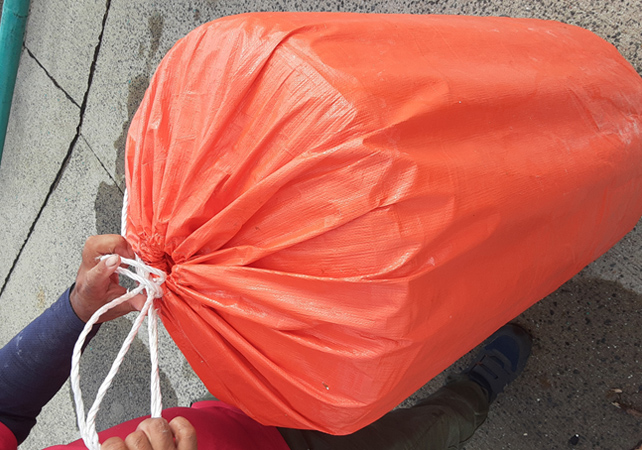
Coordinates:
149 279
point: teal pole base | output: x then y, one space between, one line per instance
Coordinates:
12 28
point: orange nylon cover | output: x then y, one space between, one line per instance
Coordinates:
346 204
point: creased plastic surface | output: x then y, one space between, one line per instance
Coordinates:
347 203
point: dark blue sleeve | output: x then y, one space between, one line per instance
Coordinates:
36 363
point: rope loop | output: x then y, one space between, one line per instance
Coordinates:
149 277
150 280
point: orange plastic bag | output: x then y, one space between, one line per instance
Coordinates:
346 204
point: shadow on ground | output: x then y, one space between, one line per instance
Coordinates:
581 388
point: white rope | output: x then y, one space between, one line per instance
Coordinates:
123 215
152 326
149 279
152 329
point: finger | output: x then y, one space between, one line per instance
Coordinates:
97 246
114 443
159 433
114 278
99 277
118 311
137 302
124 249
184 433
113 292
138 440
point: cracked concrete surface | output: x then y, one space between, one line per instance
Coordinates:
72 143
67 61
25 186
83 73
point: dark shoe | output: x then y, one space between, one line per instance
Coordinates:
501 360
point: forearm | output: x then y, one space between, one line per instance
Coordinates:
35 364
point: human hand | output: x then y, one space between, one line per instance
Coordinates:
97 281
157 434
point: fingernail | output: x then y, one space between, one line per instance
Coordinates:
112 261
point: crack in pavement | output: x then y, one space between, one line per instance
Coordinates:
101 164
69 97
72 144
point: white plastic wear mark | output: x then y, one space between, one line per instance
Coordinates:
150 280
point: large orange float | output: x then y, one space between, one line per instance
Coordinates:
345 204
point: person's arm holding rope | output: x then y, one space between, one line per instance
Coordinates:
35 364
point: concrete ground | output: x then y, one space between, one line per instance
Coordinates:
83 72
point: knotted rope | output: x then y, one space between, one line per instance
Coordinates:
149 279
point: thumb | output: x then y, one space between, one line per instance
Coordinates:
99 275
112 263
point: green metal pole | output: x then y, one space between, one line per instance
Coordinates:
12 29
